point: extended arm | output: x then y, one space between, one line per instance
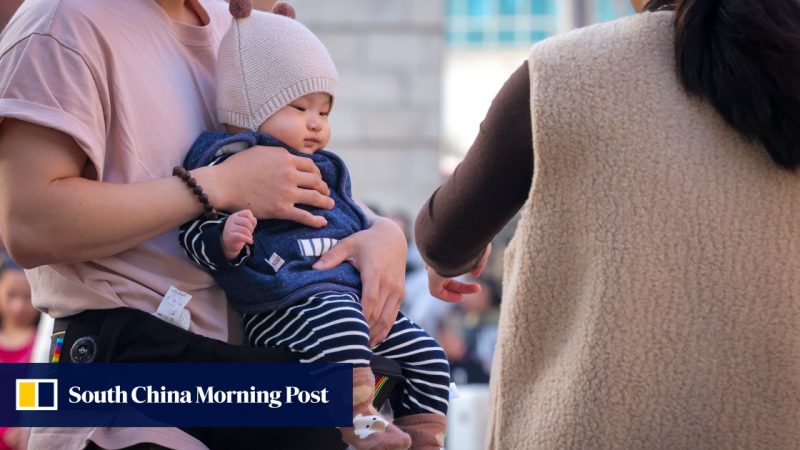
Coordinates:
460 219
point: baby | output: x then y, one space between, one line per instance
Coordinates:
276 87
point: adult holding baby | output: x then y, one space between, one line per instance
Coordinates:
100 100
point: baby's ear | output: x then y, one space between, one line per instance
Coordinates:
284 9
240 8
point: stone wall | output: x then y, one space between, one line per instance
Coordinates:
386 119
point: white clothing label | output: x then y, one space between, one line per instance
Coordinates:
172 308
275 261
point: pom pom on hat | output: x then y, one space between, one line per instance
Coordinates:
284 9
241 8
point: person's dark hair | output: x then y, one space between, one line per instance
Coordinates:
743 56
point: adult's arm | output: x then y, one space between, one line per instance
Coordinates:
50 214
490 185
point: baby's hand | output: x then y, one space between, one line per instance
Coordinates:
238 231
453 290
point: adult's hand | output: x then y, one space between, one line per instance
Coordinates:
270 182
379 254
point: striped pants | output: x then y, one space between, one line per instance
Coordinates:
330 327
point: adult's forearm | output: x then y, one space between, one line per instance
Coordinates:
76 219
50 214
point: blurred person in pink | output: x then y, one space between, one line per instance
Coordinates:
18 320
18 317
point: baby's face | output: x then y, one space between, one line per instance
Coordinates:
302 124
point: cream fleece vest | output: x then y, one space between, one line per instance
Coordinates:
652 289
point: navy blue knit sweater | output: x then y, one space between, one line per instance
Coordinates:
275 272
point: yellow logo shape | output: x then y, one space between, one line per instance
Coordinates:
37 394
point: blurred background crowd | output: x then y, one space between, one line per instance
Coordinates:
417 76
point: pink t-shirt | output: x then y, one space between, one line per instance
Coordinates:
18 355
134 88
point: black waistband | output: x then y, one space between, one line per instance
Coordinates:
60 326
88 321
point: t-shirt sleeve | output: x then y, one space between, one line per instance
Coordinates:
46 83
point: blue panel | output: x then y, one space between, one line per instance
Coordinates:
456 8
475 37
46 393
611 9
542 6
477 33
478 8
538 36
508 7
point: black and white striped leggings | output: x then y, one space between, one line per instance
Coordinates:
330 327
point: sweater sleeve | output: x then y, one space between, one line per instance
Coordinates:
485 191
201 240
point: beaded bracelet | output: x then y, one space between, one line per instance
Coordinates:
208 208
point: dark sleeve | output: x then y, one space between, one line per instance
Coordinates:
462 217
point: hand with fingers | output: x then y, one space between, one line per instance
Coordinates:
270 182
237 232
452 290
379 254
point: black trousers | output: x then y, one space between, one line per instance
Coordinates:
127 335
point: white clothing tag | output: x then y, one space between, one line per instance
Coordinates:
185 320
275 261
172 308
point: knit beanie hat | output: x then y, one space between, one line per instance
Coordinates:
267 61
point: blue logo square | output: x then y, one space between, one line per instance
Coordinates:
47 393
